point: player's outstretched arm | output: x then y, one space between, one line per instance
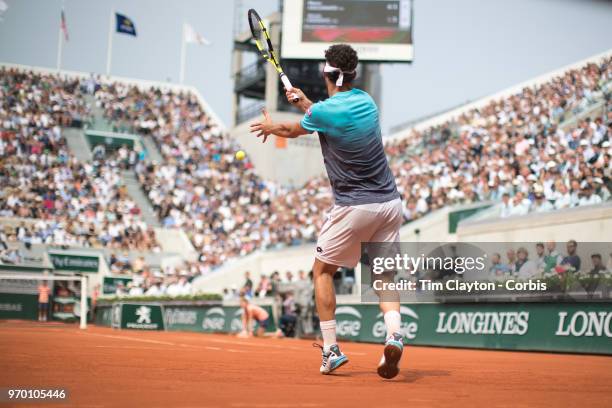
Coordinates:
267 127
303 103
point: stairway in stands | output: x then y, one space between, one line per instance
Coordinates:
135 191
75 138
153 153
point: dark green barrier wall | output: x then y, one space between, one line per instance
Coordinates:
576 328
456 216
206 319
585 328
113 142
18 306
209 319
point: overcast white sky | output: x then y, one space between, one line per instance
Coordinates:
465 49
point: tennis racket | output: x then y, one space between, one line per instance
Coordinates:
264 45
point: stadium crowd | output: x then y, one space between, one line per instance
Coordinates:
517 151
224 207
74 203
172 280
545 260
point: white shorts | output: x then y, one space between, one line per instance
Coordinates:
346 228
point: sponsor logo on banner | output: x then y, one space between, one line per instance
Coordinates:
181 316
348 321
409 325
583 323
236 324
11 307
141 317
214 319
516 323
144 314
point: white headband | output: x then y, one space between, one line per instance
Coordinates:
329 68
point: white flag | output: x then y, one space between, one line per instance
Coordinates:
3 8
192 37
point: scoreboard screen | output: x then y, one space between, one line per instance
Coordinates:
380 30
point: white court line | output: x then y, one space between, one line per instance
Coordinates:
277 405
239 343
132 347
110 336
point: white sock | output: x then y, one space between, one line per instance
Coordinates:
393 322
328 330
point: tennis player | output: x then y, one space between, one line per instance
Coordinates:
367 204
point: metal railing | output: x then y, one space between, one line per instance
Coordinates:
250 75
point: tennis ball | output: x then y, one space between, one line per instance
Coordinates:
240 155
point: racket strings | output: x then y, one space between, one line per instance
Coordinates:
262 39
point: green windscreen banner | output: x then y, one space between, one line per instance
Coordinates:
110 283
75 263
142 316
137 316
558 327
18 306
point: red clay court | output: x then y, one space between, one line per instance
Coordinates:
102 367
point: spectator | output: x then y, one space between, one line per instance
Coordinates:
588 196
134 289
498 269
264 287
571 261
289 277
288 318
609 265
598 266
540 204
511 256
155 289
525 269
540 261
247 288
120 289
506 206
520 205
227 295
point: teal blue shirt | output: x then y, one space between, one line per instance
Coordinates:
351 143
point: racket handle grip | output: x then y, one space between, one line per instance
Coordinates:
289 87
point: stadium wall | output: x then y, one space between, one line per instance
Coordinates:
231 274
290 162
583 224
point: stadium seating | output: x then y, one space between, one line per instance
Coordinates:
515 146
74 203
542 149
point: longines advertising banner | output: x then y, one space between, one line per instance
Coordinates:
576 328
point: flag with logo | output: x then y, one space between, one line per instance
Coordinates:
125 25
193 37
63 26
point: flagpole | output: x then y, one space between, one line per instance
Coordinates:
109 51
60 46
60 39
183 56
